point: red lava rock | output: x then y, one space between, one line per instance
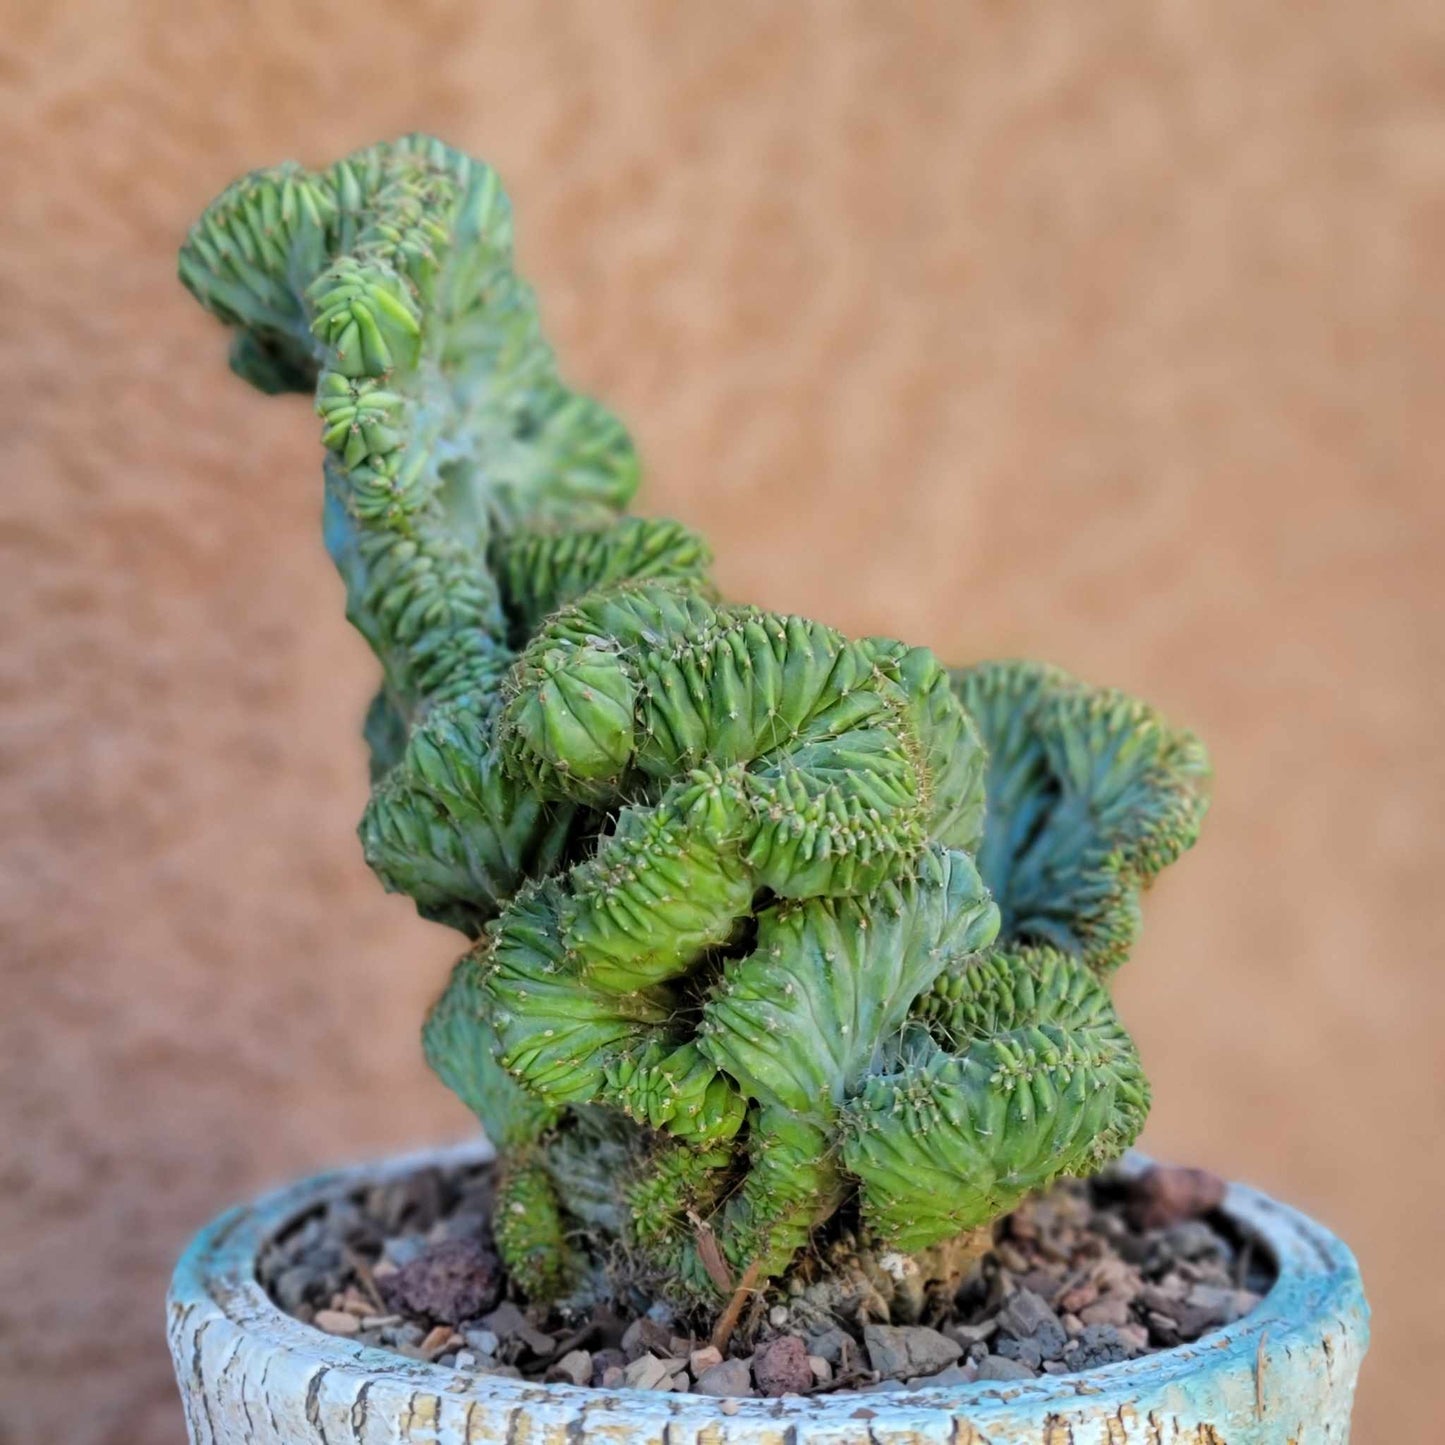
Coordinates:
451 1282
1042 1283
1112 1309
1163 1195
781 1367
1099 1345
1078 1298
1115 1276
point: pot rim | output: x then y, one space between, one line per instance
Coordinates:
1316 1298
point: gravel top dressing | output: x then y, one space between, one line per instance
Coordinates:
1084 1276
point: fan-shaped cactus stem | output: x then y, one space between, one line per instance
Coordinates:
1034 1077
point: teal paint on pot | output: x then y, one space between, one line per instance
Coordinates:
251 1375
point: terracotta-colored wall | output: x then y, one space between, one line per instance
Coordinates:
1105 332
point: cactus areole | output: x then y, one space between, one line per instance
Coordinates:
777 935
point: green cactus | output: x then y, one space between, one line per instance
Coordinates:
775 932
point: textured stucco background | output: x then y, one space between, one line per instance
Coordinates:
1105 332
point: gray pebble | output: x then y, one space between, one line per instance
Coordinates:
462 1226
402 1249
898 1351
1034 1330
996 1367
292 1286
830 1344
1026 1352
1193 1239
971 1334
647 1372
950 1375
731 1378
644 1335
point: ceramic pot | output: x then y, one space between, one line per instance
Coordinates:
251 1375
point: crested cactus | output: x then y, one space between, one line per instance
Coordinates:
776 933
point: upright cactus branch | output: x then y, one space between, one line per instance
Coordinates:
774 930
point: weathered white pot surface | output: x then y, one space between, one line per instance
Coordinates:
1284 1375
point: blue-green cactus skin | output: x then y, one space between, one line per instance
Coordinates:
767 921
1090 795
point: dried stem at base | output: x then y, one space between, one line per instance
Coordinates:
728 1320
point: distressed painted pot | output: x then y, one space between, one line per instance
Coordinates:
251 1375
